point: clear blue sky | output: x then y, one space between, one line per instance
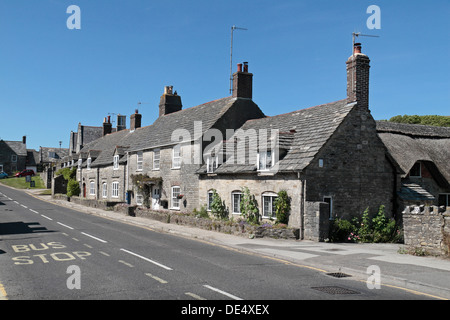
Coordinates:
51 77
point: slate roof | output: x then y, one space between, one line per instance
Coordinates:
414 192
302 135
160 132
409 143
18 147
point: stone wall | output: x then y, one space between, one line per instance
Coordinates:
427 228
316 221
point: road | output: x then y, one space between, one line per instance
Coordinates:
48 252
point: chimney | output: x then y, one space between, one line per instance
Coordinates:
107 126
135 120
242 82
169 102
24 139
358 66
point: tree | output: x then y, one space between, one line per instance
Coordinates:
217 206
282 207
249 206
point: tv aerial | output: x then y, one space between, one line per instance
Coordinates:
359 34
231 56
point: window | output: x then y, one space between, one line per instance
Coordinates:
89 163
105 190
139 199
115 190
80 161
416 170
320 163
140 161
156 155
116 162
269 206
175 197
329 200
13 158
236 202
210 199
176 157
264 160
444 199
212 162
92 188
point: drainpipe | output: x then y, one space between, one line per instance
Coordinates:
302 204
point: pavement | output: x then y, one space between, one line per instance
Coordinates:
424 275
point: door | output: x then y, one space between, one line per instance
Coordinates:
84 190
155 197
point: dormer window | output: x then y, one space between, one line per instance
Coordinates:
116 162
212 162
265 160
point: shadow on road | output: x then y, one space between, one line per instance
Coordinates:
9 228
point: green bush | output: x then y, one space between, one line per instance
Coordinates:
217 206
249 206
378 229
282 207
73 188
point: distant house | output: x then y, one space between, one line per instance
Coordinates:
13 156
423 153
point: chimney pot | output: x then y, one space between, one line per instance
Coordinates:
239 67
246 67
242 82
357 48
109 119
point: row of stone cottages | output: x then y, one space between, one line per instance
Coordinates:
334 160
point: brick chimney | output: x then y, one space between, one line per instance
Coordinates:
358 66
242 82
169 102
135 120
24 139
107 126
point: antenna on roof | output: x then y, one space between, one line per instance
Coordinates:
231 56
112 114
358 34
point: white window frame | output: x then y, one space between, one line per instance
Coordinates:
116 162
80 162
156 158
88 164
104 190
271 197
174 193
92 188
139 161
176 157
139 199
236 195
115 189
262 157
212 163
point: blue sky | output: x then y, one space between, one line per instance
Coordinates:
52 78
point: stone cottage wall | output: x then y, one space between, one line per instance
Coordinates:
427 228
316 221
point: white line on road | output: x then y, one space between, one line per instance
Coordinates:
193 295
34 211
156 278
147 259
126 263
24 206
46 217
15 201
222 292
65 225
98 239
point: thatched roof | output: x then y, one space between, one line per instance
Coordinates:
409 143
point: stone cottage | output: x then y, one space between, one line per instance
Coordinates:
329 158
423 154
13 155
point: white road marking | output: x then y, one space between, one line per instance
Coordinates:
223 292
34 211
98 239
193 295
64 225
15 201
126 263
156 278
147 259
46 217
24 206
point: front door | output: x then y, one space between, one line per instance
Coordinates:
155 197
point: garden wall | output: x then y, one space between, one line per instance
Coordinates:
427 228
